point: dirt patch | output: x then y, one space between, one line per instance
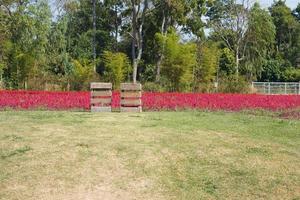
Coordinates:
295 114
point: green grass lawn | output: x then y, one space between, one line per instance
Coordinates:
151 155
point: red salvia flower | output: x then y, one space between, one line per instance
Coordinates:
151 101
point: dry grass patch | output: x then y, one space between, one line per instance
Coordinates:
162 155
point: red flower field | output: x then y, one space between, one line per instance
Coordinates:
151 101
233 102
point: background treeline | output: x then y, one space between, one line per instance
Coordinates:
168 45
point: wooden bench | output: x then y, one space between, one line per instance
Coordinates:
101 96
131 95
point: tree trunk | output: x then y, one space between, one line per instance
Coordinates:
1 72
116 28
25 84
94 34
135 66
237 60
137 36
133 44
160 56
158 66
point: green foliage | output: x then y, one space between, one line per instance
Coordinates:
232 84
227 62
228 20
272 70
206 68
38 49
2 66
152 87
82 74
117 67
287 31
80 28
179 60
194 22
296 12
25 50
291 74
261 38
59 62
148 74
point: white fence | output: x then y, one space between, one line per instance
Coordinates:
276 87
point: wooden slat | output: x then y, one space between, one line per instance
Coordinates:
131 102
101 100
131 109
101 86
101 93
131 86
101 109
137 94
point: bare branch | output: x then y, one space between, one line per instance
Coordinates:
7 9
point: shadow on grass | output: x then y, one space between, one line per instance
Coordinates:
19 151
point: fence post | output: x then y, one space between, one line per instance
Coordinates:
284 88
269 89
299 88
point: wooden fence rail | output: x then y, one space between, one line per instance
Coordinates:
101 96
131 97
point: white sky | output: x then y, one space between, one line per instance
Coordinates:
264 3
290 3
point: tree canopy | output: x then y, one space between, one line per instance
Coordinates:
173 45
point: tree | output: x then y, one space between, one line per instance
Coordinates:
116 9
187 14
226 62
296 12
272 70
260 41
287 31
229 21
4 36
116 67
291 74
205 70
139 9
80 30
248 32
29 25
82 74
169 13
194 23
60 60
164 38
179 60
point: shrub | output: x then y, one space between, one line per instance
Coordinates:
206 67
82 74
233 84
178 61
117 67
292 74
1 85
152 87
